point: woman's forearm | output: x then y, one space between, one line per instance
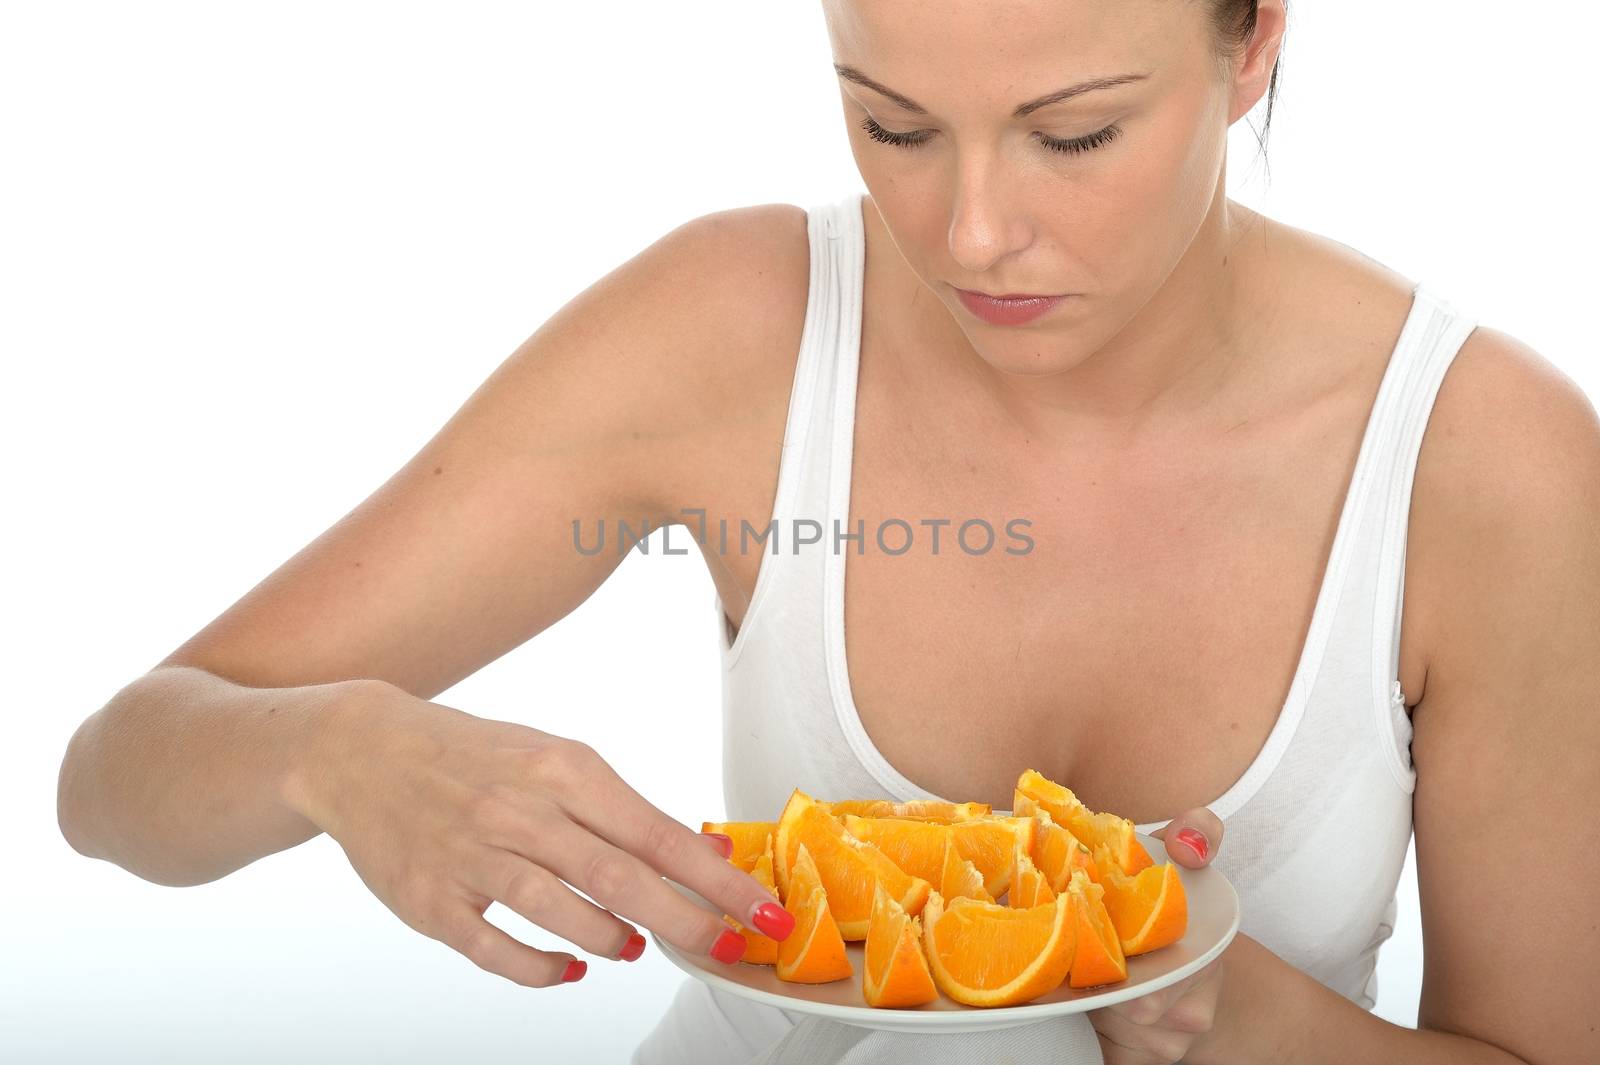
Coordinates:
1272 1012
180 778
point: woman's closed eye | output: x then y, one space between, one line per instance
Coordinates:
1071 145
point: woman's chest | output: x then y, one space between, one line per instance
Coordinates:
1128 619
1135 636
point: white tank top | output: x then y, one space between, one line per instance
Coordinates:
1333 778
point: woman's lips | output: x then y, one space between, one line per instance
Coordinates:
1010 309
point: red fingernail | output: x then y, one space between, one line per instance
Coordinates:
575 971
729 947
724 844
632 948
1195 840
774 921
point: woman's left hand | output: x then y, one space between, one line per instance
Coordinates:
1160 1028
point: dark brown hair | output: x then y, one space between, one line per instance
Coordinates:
1235 23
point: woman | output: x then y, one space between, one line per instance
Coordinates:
1227 439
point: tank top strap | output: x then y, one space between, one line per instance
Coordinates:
832 320
1433 335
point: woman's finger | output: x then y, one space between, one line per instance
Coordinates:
1195 1011
1192 838
1125 1043
613 810
1147 1009
494 951
540 896
629 888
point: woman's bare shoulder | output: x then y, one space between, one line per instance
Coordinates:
1508 475
753 268
1507 485
743 275
1509 429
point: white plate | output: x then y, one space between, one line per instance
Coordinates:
1213 922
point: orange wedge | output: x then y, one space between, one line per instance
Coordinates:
1115 833
848 867
1098 958
749 839
814 952
987 842
915 846
919 809
983 954
960 878
1149 910
918 846
759 949
1052 845
1029 887
895 972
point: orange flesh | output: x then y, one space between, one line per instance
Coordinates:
989 955
895 974
814 952
849 868
1099 958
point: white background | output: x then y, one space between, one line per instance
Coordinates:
253 256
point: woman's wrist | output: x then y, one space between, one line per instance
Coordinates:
327 725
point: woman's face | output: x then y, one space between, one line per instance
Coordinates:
983 202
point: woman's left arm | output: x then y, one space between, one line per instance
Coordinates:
1506 748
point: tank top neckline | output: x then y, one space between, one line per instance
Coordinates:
844 395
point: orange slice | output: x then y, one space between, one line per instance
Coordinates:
1115 833
1098 958
919 809
1149 910
987 842
749 839
1052 845
814 952
1029 887
915 846
759 949
895 973
960 878
918 846
848 867
983 954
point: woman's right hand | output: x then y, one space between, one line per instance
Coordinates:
442 813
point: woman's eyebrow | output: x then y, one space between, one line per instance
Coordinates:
852 74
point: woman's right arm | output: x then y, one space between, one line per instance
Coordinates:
306 706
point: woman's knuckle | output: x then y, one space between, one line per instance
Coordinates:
541 763
557 762
478 945
1142 1011
664 839
580 757
1171 1046
1191 1020
610 876
529 891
